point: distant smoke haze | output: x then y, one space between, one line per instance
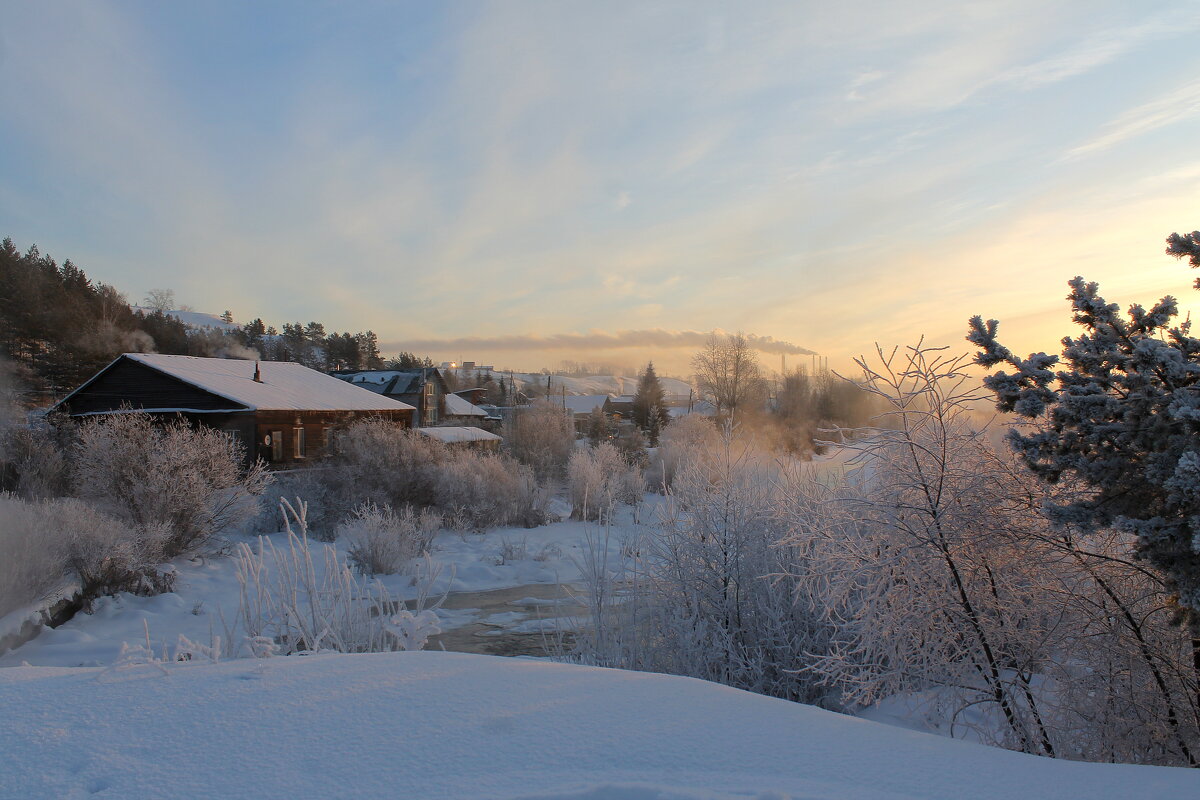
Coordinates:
593 340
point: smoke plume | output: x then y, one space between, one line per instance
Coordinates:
593 340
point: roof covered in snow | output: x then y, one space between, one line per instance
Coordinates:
451 435
700 407
581 403
390 381
285 386
461 407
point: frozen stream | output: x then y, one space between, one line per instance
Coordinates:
515 621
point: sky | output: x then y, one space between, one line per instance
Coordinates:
520 183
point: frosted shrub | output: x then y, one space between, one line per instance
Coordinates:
383 541
148 473
45 544
34 463
32 555
631 444
681 441
377 462
705 597
542 436
313 484
599 479
477 491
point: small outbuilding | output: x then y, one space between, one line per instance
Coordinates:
474 438
281 411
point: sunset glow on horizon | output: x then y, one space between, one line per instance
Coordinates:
526 183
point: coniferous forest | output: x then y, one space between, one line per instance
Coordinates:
58 326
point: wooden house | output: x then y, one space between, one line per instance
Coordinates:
424 389
621 405
475 396
281 411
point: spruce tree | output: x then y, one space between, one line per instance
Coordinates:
650 405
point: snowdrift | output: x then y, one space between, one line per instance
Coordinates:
450 725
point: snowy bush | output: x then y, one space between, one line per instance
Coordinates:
316 486
383 541
32 556
379 463
705 597
34 462
149 473
376 461
542 436
599 479
44 544
680 442
477 491
631 444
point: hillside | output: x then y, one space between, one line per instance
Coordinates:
196 319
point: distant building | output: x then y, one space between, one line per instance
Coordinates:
464 436
622 406
582 405
425 389
281 411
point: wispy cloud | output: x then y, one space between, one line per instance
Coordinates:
1178 105
830 172
1101 48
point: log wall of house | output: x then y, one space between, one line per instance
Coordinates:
282 427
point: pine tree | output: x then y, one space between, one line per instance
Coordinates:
368 350
650 405
1122 418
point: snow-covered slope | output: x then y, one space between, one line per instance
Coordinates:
451 725
196 319
599 384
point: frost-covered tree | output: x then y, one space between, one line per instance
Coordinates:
598 478
707 596
1122 416
952 595
927 579
650 405
728 373
160 300
541 435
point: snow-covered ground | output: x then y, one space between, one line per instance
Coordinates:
452 725
206 591
445 725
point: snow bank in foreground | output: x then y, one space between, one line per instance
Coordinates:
449 725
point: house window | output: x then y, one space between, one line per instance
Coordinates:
298 442
431 406
276 445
